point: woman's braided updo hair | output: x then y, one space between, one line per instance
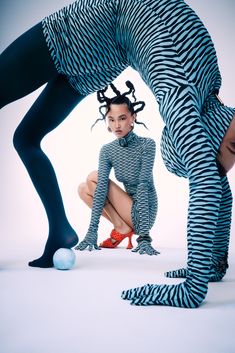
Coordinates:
133 107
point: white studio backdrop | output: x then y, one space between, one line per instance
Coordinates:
73 148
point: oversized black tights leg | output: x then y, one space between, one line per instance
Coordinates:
49 110
24 66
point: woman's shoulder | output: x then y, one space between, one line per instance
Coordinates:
107 147
147 141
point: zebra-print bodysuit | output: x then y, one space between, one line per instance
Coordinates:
132 158
92 41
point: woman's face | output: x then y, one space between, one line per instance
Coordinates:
226 155
120 119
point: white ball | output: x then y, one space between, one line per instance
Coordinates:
64 259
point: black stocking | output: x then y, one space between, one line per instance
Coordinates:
25 66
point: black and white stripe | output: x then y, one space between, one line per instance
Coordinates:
81 39
166 42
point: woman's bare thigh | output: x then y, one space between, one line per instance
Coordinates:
118 198
121 201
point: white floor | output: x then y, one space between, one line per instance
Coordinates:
47 311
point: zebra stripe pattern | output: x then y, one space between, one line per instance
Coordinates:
166 42
214 128
219 261
75 36
182 71
132 158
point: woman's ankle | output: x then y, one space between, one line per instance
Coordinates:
123 229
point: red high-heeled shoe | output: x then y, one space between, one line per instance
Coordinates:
118 237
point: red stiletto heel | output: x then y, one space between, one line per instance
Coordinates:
118 237
130 246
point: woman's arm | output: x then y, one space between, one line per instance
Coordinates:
219 258
222 234
142 199
182 117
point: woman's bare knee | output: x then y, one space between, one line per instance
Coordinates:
91 182
82 190
93 176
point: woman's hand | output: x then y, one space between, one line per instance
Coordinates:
90 242
145 247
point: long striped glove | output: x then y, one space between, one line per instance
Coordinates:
90 242
145 247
